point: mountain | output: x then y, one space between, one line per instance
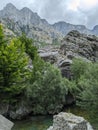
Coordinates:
24 20
95 30
64 28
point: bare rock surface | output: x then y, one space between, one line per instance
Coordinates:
68 121
5 124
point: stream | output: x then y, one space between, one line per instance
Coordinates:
43 122
33 123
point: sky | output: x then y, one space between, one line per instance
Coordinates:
78 12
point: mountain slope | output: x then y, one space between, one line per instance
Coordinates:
26 21
64 28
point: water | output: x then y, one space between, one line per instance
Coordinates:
43 122
34 123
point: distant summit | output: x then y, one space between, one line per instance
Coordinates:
25 20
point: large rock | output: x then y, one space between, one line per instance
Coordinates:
22 110
68 121
49 56
76 45
4 107
19 111
5 124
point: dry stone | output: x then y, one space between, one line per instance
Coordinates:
5 124
68 121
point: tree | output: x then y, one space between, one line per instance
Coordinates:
88 98
78 68
30 49
47 92
13 62
86 78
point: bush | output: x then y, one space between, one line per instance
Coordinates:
48 90
86 78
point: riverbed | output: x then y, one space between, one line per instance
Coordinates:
43 122
33 123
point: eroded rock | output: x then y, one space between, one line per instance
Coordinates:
68 121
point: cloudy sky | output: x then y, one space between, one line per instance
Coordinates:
72 11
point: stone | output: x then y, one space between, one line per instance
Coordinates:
5 124
23 109
49 56
4 108
68 121
76 45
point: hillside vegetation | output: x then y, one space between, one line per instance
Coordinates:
26 78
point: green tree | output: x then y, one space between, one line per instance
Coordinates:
88 98
13 62
78 68
47 91
86 78
30 49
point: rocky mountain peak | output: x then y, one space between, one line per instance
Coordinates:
25 9
95 30
95 27
10 7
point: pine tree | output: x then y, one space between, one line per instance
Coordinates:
13 62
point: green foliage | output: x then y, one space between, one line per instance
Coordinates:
86 77
13 63
47 91
89 96
78 68
30 49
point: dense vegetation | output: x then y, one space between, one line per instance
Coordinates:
86 78
25 76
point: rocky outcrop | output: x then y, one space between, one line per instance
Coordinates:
68 121
95 30
5 124
74 45
64 28
80 45
19 111
22 110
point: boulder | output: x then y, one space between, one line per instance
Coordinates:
76 44
5 124
22 110
68 121
4 108
49 56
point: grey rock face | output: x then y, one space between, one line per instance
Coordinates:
68 121
74 45
26 21
5 124
95 30
22 110
64 28
49 56
78 45
4 108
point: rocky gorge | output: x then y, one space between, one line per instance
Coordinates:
57 44
74 45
